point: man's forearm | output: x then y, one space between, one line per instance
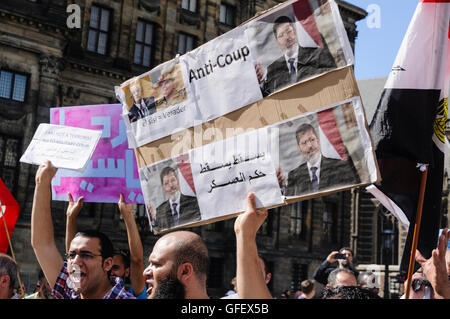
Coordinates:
41 219
250 281
71 230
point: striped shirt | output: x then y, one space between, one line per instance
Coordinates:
63 288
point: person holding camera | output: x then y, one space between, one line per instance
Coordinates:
343 258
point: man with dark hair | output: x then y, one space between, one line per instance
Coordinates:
179 209
318 172
8 276
344 262
43 289
85 273
297 62
178 267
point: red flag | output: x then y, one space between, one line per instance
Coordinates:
9 212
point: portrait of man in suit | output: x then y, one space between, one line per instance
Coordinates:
171 86
318 172
179 209
142 107
297 62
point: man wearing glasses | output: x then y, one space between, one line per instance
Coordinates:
317 172
85 273
297 62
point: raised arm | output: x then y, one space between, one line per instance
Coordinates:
72 212
136 250
249 276
42 236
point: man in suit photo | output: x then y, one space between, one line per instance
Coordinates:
297 62
142 106
179 209
318 172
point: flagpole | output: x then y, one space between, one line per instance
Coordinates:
22 292
412 258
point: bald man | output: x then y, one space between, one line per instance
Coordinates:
178 267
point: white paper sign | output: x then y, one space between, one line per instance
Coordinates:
227 171
65 146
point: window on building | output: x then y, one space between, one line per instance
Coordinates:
190 5
215 276
9 161
99 26
185 43
299 273
144 42
227 14
329 222
13 86
298 219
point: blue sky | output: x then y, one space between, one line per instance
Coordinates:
380 35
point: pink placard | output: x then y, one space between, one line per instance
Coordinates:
111 170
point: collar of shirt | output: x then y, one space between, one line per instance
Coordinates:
316 164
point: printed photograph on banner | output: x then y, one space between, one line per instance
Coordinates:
111 170
169 194
156 104
323 151
297 42
226 172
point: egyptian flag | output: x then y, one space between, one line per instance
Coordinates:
409 124
9 212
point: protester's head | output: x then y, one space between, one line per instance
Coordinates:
8 276
136 91
285 35
169 182
89 261
308 142
121 265
43 286
166 82
178 267
267 275
307 287
341 277
367 280
348 292
348 261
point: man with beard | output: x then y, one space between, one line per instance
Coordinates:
325 268
317 172
178 267
85 273
179 209
297 62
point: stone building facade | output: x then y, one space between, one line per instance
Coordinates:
44 63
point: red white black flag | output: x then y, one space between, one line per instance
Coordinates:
9 211
408 127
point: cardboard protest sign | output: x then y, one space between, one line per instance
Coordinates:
293 43
66 147
9 212
323 96
112 168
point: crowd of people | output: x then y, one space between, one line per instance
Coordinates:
178 264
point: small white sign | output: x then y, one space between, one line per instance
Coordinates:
66 147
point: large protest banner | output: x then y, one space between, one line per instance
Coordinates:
235 69
200 173
111 169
